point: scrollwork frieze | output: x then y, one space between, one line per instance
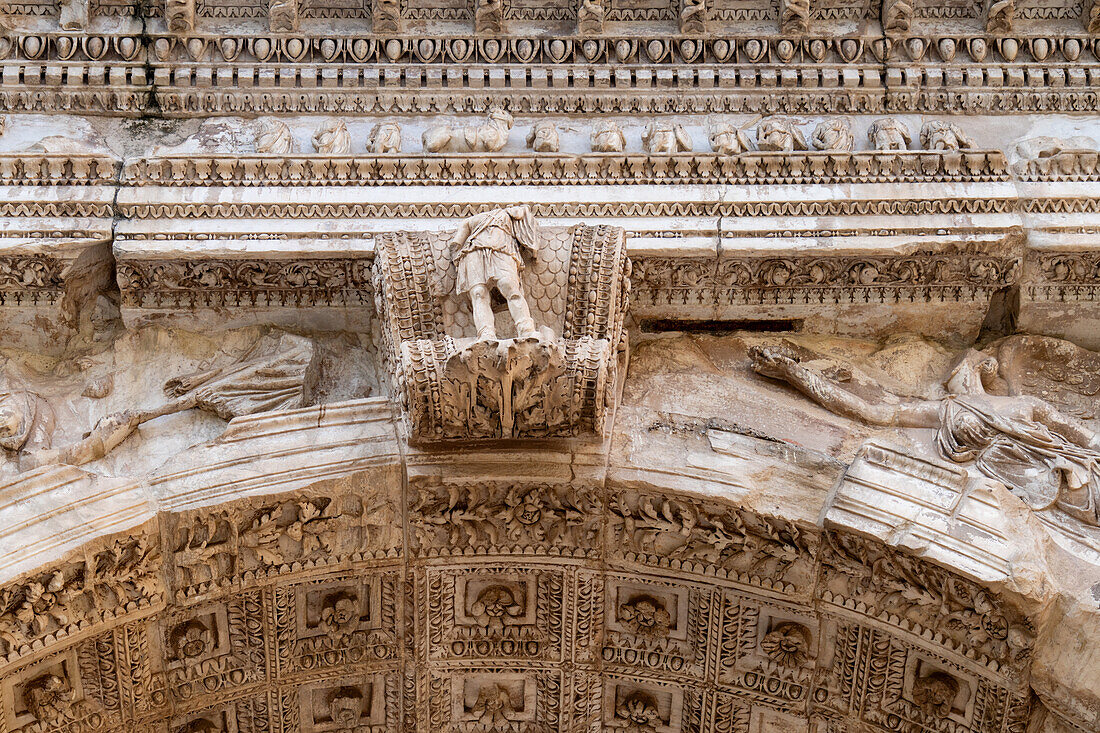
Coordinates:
757 280
697 537
860 574
160 283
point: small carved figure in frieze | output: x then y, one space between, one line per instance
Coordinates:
787 644
282 16
645 616
937 135
385 138
543 137
48 698
637 712
493 606
488 252
191 639
833 136
665 139
345 706
590 17
779 135
889 134
273 137
935 693
332 138
608 138
794 17
488 137
693 16
897 17
493 708
74 15
340 614
1000 15
725 139
1047 458
489 17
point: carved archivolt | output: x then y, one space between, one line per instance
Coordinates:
538 606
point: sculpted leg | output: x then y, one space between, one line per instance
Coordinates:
483 313
517 306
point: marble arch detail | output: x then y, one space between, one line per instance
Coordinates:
491 605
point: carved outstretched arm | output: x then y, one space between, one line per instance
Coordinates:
108 434
1068 427
773 362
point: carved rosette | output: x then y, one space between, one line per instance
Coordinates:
522 388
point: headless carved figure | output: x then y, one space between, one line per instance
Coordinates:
488 251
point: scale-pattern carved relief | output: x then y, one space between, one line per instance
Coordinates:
555 378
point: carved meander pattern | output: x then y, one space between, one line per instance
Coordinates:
510 608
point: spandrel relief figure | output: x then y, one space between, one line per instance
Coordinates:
488 250
272 376
1047 458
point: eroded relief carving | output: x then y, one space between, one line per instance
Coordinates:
49 699
1049 459
180 16
693 16
275 375
282 15
937 135
833 136
665 139
935 693
491 136
794 17
73 15
590 17
608 137
332 138
779 135
543 137
385 138
788 644
725 139
889 134
274 137
645 616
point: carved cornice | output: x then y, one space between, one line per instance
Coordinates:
200 73
549 169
